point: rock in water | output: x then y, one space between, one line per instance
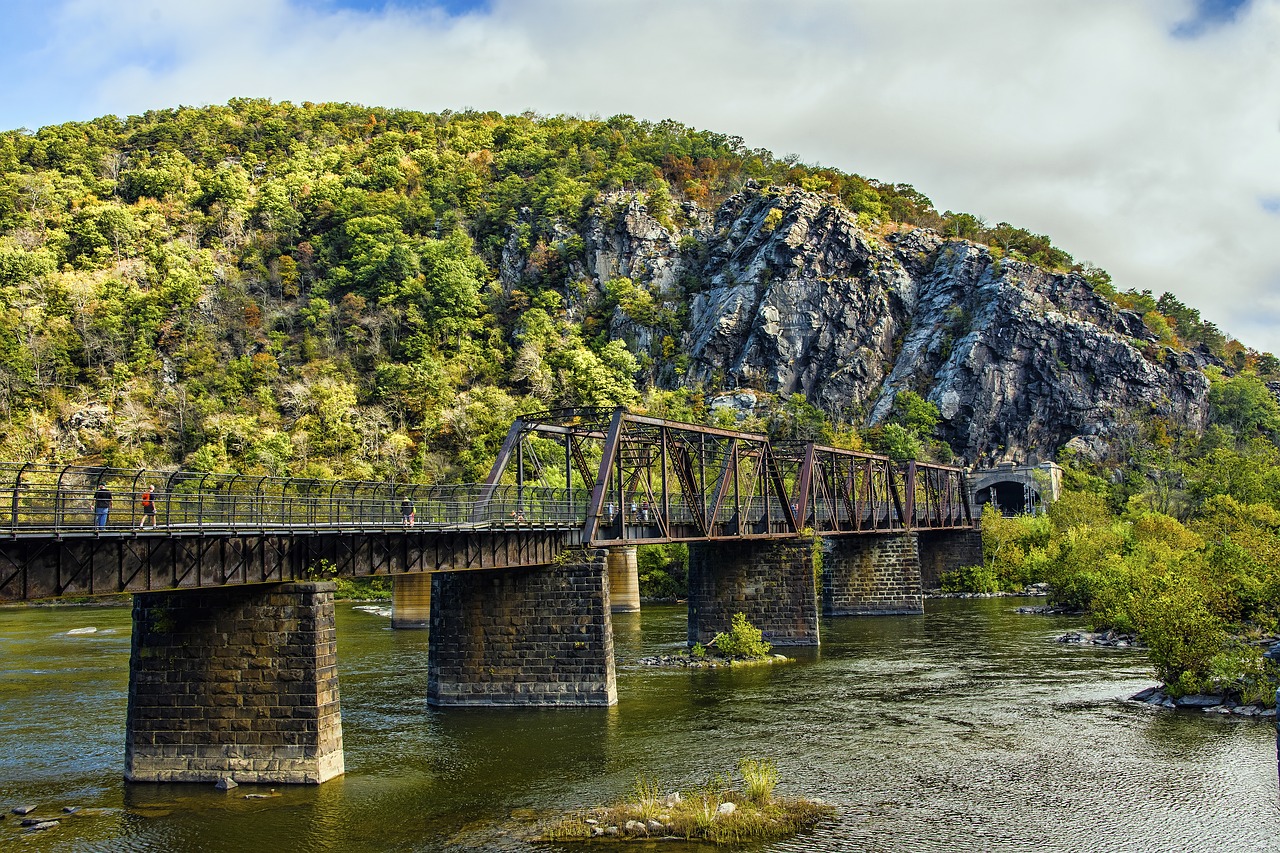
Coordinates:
23 810
76 632
226 784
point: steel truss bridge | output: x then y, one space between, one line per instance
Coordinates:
565 478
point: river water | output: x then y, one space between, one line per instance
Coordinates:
965 729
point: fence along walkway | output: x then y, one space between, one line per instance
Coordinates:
43 499
620 478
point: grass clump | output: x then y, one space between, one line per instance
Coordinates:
759 778
715 811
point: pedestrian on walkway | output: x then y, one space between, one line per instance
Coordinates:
148 503
101 506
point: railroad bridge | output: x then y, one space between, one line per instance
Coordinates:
233 668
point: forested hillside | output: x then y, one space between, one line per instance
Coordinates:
337 291
334 290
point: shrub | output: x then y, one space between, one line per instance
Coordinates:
742 640
970 579
1183 638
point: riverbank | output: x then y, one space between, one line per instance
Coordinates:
1205 702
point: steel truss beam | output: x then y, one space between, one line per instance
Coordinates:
35 567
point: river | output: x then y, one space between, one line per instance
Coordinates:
967 729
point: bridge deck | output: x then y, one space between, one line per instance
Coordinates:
584 477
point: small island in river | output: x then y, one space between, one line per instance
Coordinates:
714 812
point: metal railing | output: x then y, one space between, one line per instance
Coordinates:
48 498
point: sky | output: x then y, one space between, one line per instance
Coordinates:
1141 135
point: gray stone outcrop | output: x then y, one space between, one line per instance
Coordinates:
786 293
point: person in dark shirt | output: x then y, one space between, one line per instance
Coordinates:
407 514
101 505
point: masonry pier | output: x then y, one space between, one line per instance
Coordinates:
535 636
943 551
411 601
872 576
770 582
624 579
238 681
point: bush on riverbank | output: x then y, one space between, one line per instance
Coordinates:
713 812
363 589
1196 594
1179 544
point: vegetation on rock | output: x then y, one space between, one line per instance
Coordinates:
314 289
713 812
742 640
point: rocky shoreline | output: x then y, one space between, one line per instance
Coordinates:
1035 590
686 661
1205 702
1108 639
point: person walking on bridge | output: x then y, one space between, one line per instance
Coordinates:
148 503
101 506
407 514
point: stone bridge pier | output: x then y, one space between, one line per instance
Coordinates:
874 575
771 582
528 637
887 574
238 682
943 551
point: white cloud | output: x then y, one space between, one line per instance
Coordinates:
1148 154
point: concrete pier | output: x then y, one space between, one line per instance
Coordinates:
624 579
237 682
411 601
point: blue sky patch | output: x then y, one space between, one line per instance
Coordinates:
1209 14
451 7
1271 204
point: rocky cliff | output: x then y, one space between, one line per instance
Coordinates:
786 293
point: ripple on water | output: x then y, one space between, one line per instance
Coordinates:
967 729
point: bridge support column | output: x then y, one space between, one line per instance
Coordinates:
624 579
771 583
411 600
234 681
539 636
872 575
943 551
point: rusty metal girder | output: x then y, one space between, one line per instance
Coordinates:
36 567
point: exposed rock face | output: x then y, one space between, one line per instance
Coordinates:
788 295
